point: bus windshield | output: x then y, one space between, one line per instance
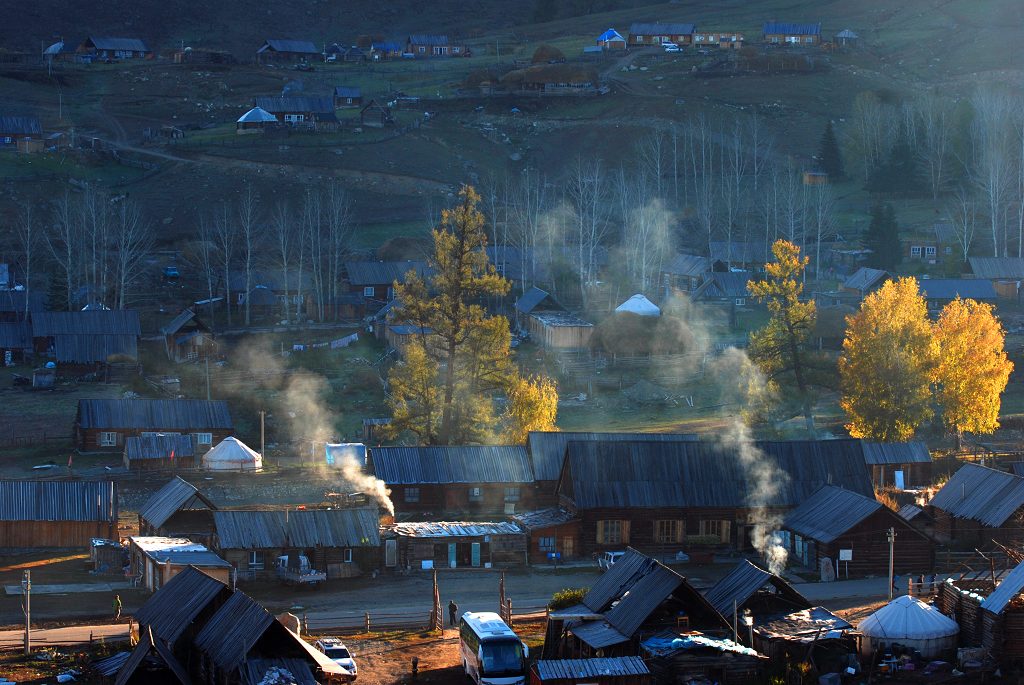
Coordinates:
504 657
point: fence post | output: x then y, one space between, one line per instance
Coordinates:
367 617
305 624
509 611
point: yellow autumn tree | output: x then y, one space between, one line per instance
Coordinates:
532 406
973 369
889 359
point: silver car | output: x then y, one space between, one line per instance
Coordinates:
337 652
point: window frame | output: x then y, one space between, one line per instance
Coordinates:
347 556
930 251
204 438
915 250
369 291
547 543
411 495
107 439
667 531
613 532
513 493
257 560
475 494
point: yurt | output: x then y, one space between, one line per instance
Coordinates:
911 623
232 455
640 305
254 121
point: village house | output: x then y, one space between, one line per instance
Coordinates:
978 505
178 509
903 465
727 255
684 273
187 338
375 115
381 50
751 590
278 50
347 96
1004 273
159 452
87 340
271 291
474 479
781 33
725 289
863 282
37 514
434 45
636 595
552 535
340 53
933 246
256 120
15 342
343 543
155 560
611 40
14 129
670 496
659 33
104 425
938 292
301 110
626 670
453 544
848 531
375 281
731 40
114 48
398 336
553 79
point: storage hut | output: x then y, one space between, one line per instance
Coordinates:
256 120
559 330
232 455
159 452
903 465
990 613
864 281
178 509
553 535
155 560
36 514
611 40
626 670
680 657
977 505
815 631
638 304
1004 273
751 588
911 623
454 544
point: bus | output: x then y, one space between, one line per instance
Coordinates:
491 653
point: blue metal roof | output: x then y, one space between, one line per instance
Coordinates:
951 288
775 27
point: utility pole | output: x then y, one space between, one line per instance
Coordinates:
26 583
891 535
207 376
263 434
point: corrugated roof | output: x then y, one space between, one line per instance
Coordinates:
865 278
598 634
704 474
201 559
544 518
687 265
171 610
1009 587
909 512
829 513
1017 468
643 598
20 125
15 335
282 45
732 284
429 39
998 268
176 495
879 453
231 632
547 448
951 288
450 529
86 349
382 273
458 464
743 582
14 301
146 647
981 494
616 581
296 103
308 528
530 299
92 322
568 669
661 29
175 324
123 44
158 447
165 415
75 500
610 35
347 92
775 27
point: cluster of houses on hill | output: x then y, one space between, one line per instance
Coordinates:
661 34
412 46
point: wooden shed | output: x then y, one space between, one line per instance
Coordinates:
36 514
978 505
178 509
155 560
187 338
626 670
904 465
159 452
559 330
990 615
553 535
453 544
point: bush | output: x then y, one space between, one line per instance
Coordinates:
567 597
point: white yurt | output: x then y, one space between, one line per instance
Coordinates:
911 623
232 455
640 305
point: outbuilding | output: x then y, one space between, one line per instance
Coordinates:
553 535
155 560
977 505
750 588
453 544
187 338
903 465
178 509
611 40
36 514
159 452
626 670
559 330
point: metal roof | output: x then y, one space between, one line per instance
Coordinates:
455 529
304 528
880 453
199 559
643 598
165 415
92 322
616 581
1009 587
428 39
459 464
687 265
611 34
173 608
865 278
20 125
909 512
998 268
1017 468
15 335
544 518
731 284
233 630
14 301
382 273
86 349
951 288
558 669
158 447
981 494
829 513
530 299
279 45
146 646
73 500
666 643
347 92
598 634
775 27
704 474
806 625
176 495
743 582
661 29
295 103
547 448
125 44
177 322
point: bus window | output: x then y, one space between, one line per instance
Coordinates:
501 658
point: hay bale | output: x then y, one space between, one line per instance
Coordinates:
547 54
628 333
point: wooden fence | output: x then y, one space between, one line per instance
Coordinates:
383 622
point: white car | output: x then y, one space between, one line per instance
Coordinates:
608 559
671 47
337 652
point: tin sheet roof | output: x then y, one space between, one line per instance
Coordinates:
161 415
307 528
568 669
743 582
175 495
544 518
981 494
450 529
1011 586
878 453
34 500
456 464
829 513
547 448
173 608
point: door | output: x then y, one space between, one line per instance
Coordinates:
475 555
451 554
391 553
568 548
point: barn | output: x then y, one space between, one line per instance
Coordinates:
87 339
53 513
559 330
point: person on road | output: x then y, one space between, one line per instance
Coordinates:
453 610
117 607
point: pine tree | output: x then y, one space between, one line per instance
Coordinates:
882 238
829 157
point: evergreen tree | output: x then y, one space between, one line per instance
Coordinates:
829 157
899 175
882 238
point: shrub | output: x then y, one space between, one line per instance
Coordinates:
567 597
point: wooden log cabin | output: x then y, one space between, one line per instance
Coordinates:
104 425
667 496
979 505
850 531
749 587
902 465
48 514
178 509
552 535
453 544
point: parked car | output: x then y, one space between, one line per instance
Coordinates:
608 559
337 652
171 273
671 47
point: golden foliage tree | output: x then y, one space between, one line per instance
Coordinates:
973 369
780 348
532 406
888 361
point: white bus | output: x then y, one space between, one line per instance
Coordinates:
491 653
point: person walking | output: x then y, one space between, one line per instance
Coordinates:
453 610
117 607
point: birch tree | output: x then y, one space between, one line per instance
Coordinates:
284 244
587 193
935 116
63 244
132 243
339 236
993 168
28 239
963 214
224 237
248 208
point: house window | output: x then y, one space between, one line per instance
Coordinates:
546 544
423 49
204 438
929 251
741 301
668 531
809 39
512 494
368 291
915 251
294 118
476 494
348 555
108 439
948 250
720 529
391 293
256 561
613 532
412 494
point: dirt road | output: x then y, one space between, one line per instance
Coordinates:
74 635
